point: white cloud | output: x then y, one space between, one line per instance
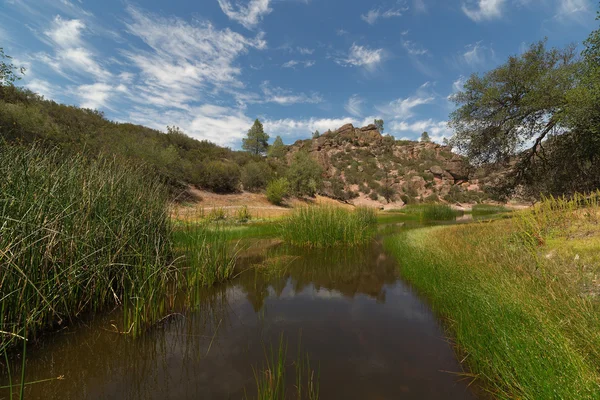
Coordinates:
185 58
373 15
66 33
483 9
402 108
438 130
294 128
413 49
295 63
94 96
361 56
250 15
286 97
305 51
354 105
574 10
224 126
341 32
458 84
477 54
42 87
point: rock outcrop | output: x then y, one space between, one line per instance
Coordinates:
364 167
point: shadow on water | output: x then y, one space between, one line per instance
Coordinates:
361 326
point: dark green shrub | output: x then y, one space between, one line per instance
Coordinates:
222 176
304 175
255 175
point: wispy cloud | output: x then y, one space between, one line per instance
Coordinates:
185 58
574 10
66 32
97 95
250 15
295 63
477 54
362 56
373 15
413 49
354 105
481 10
287 97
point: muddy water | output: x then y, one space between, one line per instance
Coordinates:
365 330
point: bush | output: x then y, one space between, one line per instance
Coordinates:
278 190
255 175
222 177
304 175
374 196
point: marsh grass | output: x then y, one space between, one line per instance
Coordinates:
518 296
432 212
271 379
77 236
327 226
206 253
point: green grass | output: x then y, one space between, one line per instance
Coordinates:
77 236
518 296
431 212
271 378
488 209
325 226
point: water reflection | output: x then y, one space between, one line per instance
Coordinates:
370 335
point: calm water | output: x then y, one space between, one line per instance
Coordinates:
362 327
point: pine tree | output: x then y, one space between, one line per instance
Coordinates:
277 149
257 140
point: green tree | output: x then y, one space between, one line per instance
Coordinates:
304 175
8 72
425 137
277 149
379 124
257 141
521 102
278 190
222 176
316 134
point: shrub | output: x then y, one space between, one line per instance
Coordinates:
304 175
255 175
222 176
278 190
374 196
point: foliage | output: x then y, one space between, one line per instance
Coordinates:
432 212
278 190
8 71
379 124
518 296
316 134
78 235
255 175
26 117
304 175
327 226
277 149
425 137
257 141
488 209
222 176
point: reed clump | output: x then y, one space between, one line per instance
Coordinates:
519 296
327 226
77 235
432 212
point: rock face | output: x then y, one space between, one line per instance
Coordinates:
379 170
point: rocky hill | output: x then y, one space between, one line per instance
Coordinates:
364 167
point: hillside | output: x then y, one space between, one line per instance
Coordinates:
364 167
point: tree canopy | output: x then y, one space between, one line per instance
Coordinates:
425 137
257 141
379 124
277 149
9 73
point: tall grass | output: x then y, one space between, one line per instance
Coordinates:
271 378
432 212
77 235
488 209
206 254
326 226
519 296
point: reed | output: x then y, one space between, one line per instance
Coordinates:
77 236
326 226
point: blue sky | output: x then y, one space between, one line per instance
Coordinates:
212 66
